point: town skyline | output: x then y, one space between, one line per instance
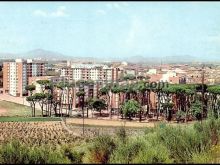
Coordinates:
112 29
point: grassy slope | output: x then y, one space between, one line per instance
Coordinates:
18 112
28 119
14 109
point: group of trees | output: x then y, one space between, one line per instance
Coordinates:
134 99
44 98
50 97
56 97
186 101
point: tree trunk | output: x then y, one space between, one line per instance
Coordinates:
50 108
187 108
47 108
61 110
140 115
110 105
55 109
31 109
42 109
158 106
119 102
186 115
148 103
34 110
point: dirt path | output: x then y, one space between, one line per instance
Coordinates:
99 122
67 129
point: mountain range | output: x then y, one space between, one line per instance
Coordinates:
41 54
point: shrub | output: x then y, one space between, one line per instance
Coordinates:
215 152
209 130
210 156
74 156
56 157
196 110
180 142
14 153
126 152
203 157
180 115
121 134
148 130
18 153
100 150
141 150
153 154
130 108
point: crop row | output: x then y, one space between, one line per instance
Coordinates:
35 132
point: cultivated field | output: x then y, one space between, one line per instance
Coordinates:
52 132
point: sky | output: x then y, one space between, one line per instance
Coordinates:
112 29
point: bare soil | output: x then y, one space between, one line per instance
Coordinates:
119 122
3 112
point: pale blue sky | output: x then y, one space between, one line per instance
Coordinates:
111 29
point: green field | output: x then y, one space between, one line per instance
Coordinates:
14 109
28 119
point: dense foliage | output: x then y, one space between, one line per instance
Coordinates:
130 108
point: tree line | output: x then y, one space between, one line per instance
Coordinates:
134 99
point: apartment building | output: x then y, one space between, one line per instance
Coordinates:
95 72
67 72
35 68
17 73
92 71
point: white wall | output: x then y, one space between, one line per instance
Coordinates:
12 78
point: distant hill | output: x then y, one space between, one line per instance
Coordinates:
44 55
41 54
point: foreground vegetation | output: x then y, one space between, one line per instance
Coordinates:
197 143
